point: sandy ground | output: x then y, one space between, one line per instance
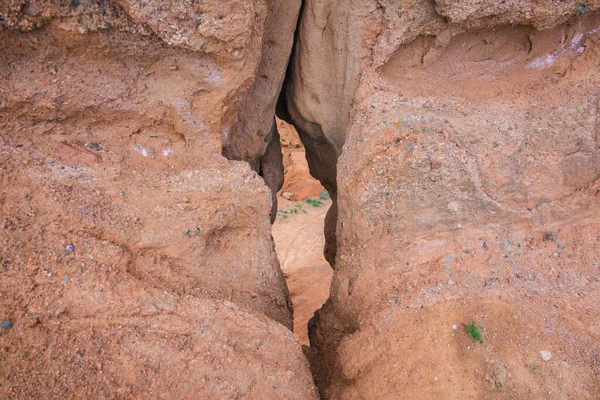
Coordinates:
298 234
299 244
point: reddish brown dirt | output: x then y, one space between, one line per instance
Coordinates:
469 191
298 234
297 179
299 243
135 260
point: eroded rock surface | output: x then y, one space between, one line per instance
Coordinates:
136 260
298 182
459 142
299 241
468 191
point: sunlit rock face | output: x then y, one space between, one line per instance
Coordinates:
136 259
467 147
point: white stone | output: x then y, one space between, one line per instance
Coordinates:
546 355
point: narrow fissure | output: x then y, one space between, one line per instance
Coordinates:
304 214
136 261
298 232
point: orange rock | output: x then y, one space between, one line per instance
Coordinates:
74 153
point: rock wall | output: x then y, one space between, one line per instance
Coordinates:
323 77
468 192
136 260
139 161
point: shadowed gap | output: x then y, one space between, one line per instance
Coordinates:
298 232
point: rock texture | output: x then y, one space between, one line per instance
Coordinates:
299 243
139 161
298 233
324 75
136 260
468 192
297 179
252 132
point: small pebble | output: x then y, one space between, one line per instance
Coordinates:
533 275
398 300
550 237
546 355
454 327
450 282
550 330
70 248
6 324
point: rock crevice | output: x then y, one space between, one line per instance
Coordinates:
139 161
136 260
452 153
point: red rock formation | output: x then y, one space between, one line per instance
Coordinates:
467 189
460 144
298 182
136 260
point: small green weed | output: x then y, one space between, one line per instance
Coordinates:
282 214
188 233
474 332
314 202
299 207
533 368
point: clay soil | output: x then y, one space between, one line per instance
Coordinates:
298 234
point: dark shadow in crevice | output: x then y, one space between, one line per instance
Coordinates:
271 168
